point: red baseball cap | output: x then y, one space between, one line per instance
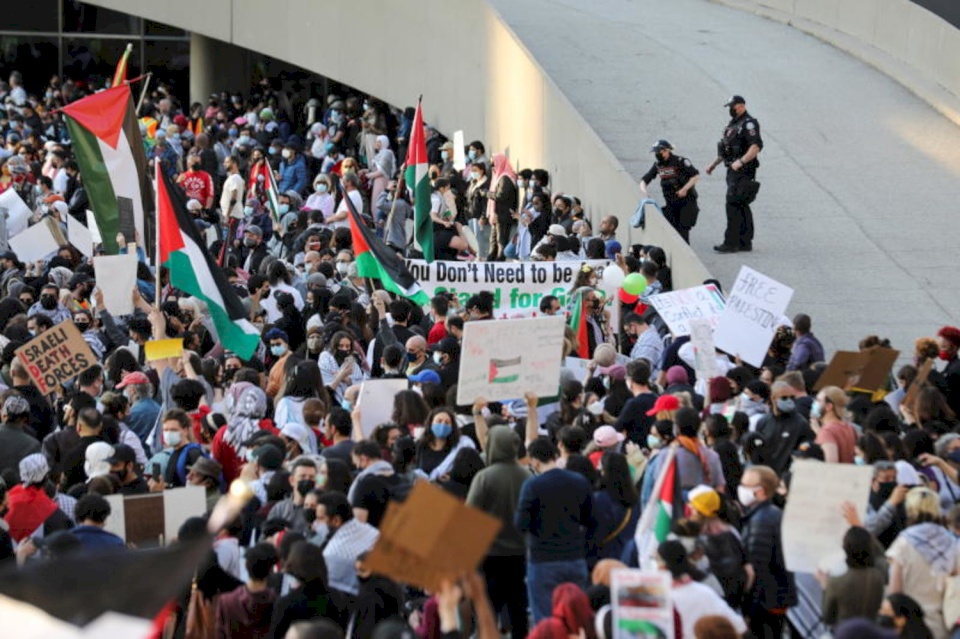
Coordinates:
664 402
135 377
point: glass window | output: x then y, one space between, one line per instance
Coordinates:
36 15
95 59
79 17
170 62
151 28
37 59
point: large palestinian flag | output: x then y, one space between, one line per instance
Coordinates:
194 271
418 181
106 142
375 260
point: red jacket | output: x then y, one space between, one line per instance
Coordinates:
242 614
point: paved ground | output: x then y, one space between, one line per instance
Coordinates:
858 209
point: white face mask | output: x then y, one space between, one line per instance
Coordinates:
438 358
321 529
747 496
596 408
342 268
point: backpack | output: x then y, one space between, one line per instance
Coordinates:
726 556
182 463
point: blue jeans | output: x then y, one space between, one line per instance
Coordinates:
543 577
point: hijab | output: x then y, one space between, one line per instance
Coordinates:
501 168
247 404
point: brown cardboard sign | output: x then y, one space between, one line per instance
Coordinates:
430 537
845 370
55 356
876 372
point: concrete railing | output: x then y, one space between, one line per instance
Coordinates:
472 70
901 38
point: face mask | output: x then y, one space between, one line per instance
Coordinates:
232 133
595 409
304 486
438 358
320 529
320 188
859 460
653 442
342 268
272 151
472 155
278 350
954 457
283 209
444 155
314 344
249 242
345 404
886 621
334 113
752 406
171 438
944 355
48 302
885 489
746 495
521 184
248 211
285 154
816 410
309 515
786 405
412 357
441 431
340 356
732 111
121 474
475 176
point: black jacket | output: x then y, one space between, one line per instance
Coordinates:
781 435
310 601
948 382
774 587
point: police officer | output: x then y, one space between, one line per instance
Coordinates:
738 151
678 180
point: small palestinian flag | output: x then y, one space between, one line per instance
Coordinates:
194 271
504 371
666 506
273 197
578 322
375 260
418 181
109 150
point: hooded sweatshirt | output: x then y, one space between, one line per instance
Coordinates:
496 489
243 614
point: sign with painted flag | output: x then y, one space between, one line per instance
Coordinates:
641 603
504 359
678 308
109 150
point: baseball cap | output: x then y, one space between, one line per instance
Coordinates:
704 500
424 376
79 278
557 229
660 144
8 255
664 402
735 99
268 456
607 436
135 377
448 345
122 454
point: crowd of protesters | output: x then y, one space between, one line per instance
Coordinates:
569 476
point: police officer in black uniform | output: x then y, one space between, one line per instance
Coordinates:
738 151
678 180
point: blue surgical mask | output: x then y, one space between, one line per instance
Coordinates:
472 154
816 410
859 460
321 188
441 431
653 442
345 404
171 439
272 150
786 405
232 133
278 350
248 210
283 209
445 155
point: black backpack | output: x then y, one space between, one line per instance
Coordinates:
727 558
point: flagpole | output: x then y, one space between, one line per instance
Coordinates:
143 92
156 208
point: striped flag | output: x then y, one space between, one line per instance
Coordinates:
578 322
273 197
109 150
504 371
120 75
418 181
661 510
193 271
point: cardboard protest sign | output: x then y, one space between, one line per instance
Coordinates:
677 308
163 348
517 287
751 316
18 213
813 523
843 371
507 358
876 371
56 356
431 536
376 402
641 603
35 243
155 518
79 235
922 375
116 278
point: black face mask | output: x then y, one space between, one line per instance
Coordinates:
309 515
48 302
304 486
882 494
341 356
121 474
733 111
886 621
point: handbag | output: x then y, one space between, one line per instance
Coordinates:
618 529
199 614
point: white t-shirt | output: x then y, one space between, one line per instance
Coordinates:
695 600
357 200
270 304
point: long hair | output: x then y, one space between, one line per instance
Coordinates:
616 480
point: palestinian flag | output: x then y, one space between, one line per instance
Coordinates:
109 150
662 509
120 75
504 371
578 322
376 261
666 501
273 197
194 271
418 181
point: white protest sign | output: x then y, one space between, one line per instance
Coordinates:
376 402
641 603
704 352
116 278
507 358
517 287
751 316
148 518
677 308
813 524
79 236
18 213
36 243
459 152
94 229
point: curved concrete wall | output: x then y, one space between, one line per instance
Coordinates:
906 39
473 72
